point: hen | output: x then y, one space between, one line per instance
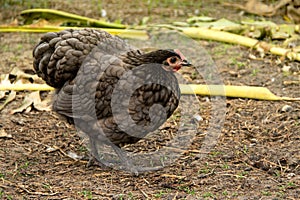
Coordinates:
113 92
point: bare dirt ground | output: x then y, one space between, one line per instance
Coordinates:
257 155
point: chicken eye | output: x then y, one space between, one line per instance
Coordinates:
173 60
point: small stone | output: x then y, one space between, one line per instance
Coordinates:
252 144
74 155
253 57
286 108
50 149
247 169
286 68
198 117
103 13
290 175
253 140
268 186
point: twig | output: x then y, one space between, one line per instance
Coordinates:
172 176
144 193
22 187
174 198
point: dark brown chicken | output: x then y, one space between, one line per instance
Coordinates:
113 92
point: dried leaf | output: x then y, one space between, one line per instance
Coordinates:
219 24
2 94
4 79
24 77
4 134
41 105
259 8
293 13
10 97
27 102
34 99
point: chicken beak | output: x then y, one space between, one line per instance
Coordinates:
185 63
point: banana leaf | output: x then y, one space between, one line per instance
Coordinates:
56 15
222 36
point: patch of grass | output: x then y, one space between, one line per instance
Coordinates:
87 194
23 168
9 197
163 159
26 4
159 194
235 194
189 190
186 189
291 185
266 193
285 74
47 186
25 165
281 187
225 166
225 193
130 195
221 50
83 149
245 149
242 174
2 195
208 195
204 171
194 75
239 64
5 48
280 194
277 173
19 47
215 153
254 72
121 196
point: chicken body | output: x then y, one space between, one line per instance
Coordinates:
114 93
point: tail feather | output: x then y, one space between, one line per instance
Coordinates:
58 56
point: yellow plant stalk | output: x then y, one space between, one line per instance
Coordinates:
250 92
222 36
125 33
26 86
